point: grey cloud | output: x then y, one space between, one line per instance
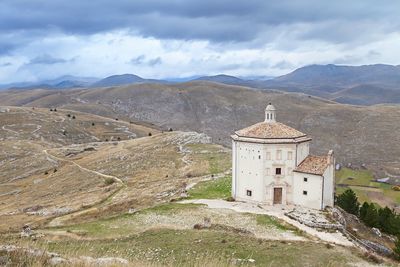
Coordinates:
6 64
284 65
142 60
220 21
46 59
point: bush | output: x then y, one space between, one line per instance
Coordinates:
349 202
396 188
150 134
109 181
73 117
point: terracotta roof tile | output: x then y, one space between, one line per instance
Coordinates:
313 165
266 130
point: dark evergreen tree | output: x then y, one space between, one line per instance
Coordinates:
349 202
363 210
371 217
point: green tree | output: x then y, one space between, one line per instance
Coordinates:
363 210
349 202
371 216
396 249
384 219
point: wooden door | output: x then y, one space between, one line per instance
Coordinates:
277 195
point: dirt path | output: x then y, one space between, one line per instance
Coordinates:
83 168
278 212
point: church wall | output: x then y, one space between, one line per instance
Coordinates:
277 156
249 171
329 185
303 150
254 169
307 193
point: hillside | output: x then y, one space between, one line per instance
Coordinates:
372 84
359 135
50 180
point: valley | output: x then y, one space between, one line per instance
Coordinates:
101 173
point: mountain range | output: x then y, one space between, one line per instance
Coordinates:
359 85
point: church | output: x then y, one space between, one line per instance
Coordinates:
271 165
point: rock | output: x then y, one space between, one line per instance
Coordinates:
376 231
131 211
57 261
26 231
108 261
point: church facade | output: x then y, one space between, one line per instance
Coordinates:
271 165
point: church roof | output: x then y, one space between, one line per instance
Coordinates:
313 165
267 130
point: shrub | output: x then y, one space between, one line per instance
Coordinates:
150 134
230 199
349 202
69 115
92 123
396 188
170 129
73 117
109 181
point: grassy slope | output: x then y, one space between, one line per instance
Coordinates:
117 237
363 184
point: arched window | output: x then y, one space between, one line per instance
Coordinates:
267 116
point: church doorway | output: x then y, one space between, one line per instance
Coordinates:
278 195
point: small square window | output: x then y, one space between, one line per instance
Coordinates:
278 171
248 193
305 193
305 179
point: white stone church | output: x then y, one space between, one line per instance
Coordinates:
271 165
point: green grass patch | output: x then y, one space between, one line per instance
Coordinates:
121 225
268 221
168 208
354 177
213 189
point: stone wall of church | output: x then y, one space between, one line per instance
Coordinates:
255 170
307 190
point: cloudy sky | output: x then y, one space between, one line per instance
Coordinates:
44 39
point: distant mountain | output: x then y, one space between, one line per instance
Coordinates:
63 82
361 85
222 78
124 79
342 76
